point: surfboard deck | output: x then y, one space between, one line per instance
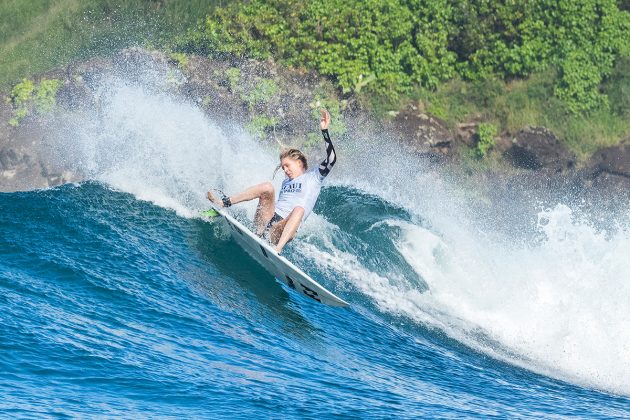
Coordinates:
283 269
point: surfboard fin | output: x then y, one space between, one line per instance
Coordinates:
209 213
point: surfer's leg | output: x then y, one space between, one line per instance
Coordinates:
285 230
264 192
264 212
266 195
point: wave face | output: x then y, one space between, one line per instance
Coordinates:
117 299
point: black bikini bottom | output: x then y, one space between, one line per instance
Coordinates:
275 219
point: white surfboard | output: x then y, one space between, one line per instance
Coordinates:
276 264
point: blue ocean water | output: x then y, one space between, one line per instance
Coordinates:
116 299
114 306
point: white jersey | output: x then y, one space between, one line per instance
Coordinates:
301 191
304 190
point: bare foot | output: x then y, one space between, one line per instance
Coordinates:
216 201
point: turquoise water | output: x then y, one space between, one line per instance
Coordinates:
111 305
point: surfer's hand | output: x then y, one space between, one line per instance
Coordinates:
324 122
278 250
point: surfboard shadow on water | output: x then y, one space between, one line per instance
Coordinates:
255 284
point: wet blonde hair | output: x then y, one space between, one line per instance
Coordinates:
294 154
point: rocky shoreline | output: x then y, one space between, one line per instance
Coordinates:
271 101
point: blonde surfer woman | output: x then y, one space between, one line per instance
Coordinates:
279 217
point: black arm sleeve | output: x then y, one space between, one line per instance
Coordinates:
331 156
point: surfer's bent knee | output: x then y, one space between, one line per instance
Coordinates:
267 189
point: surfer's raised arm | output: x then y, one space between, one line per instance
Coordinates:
331 156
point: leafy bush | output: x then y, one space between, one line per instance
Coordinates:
46 97
260 124
22 92
485 138
581 38
384 46
264 92
392 46
618 88
233 77
26 97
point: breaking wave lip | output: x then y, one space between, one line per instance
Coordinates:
159 148
557 307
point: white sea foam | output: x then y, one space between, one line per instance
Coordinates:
561 307
159 148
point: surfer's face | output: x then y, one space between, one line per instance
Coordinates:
292 167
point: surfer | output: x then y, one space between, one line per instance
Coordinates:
279 220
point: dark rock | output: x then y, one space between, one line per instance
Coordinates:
466 133
613 160
75 95
537 148
142 66
425 133
610 182
8 159
609 168
26 163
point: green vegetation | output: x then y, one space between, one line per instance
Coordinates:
27 97
22 93
180 59
206 101
530 102
323 99
260 124
618 88
38 35
484 137
561 63
260 97
367 44
264 92
581 38
46 98
393 46
233 75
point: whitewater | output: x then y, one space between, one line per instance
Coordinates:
117 299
